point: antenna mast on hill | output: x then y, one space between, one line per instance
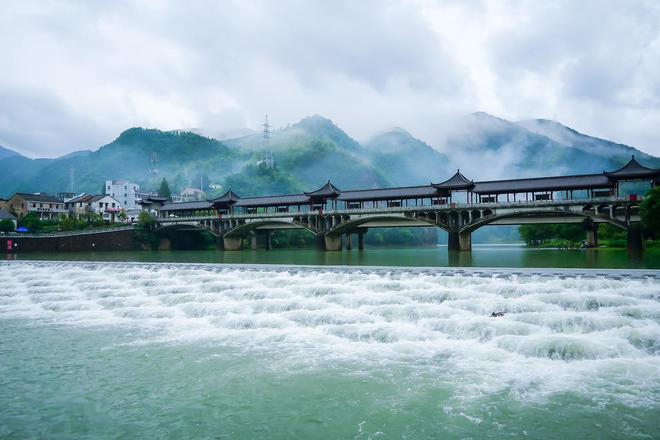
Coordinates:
266 128
72 180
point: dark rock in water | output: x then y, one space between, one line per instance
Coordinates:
496 314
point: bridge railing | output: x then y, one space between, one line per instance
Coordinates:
402 209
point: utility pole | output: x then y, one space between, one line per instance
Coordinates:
72 179
266 126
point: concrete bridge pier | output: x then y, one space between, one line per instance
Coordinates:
320 242
349 241
232 243
592 237
332 242
460 241
361 240
219 243
635 240
253 241
269 242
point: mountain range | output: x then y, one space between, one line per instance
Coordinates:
313 150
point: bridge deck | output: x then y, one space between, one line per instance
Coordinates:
403 209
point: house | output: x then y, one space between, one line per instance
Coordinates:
133 215
6 215
123 191
190 194
152 204
45 206
105 205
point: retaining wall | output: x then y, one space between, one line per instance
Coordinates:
121 240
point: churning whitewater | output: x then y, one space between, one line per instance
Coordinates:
562 332
595 337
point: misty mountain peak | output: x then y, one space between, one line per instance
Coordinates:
6 152
316 122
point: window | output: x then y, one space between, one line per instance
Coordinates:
113 205
50 205
108 188
124 187
33 204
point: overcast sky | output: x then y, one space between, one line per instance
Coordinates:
74 74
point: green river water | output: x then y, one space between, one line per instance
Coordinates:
505 255
175 350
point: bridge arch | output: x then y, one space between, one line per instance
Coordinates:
184 227
355 222
539 213
275 223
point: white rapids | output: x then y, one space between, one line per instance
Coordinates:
595 335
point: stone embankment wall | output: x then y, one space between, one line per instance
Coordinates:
120 240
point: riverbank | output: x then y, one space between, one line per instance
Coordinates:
602 244
100 239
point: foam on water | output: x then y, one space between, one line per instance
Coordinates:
593 335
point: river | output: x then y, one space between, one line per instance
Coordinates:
182 350
507 255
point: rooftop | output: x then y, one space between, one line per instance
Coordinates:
38 198
6 215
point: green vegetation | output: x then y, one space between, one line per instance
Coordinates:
561 235
650 211
144 233
6 225
164 190
401 237
33 223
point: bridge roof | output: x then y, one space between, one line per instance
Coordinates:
228 197
287 199
558 183
408 192
457 181
186 206
633 170
327 190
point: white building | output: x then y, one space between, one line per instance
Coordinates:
106 205
125 192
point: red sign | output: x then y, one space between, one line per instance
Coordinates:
9 245
633 197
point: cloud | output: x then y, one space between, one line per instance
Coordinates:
77 73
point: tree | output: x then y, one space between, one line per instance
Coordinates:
145 220
102 189
164 190
31 221
122 216
650 210
6 225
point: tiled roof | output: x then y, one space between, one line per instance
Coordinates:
327 190
6 215
80 198
409 192
559 183
38 198
457 181
186 206
228 197
633 169
288 199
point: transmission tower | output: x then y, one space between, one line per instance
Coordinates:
266 128
72 180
